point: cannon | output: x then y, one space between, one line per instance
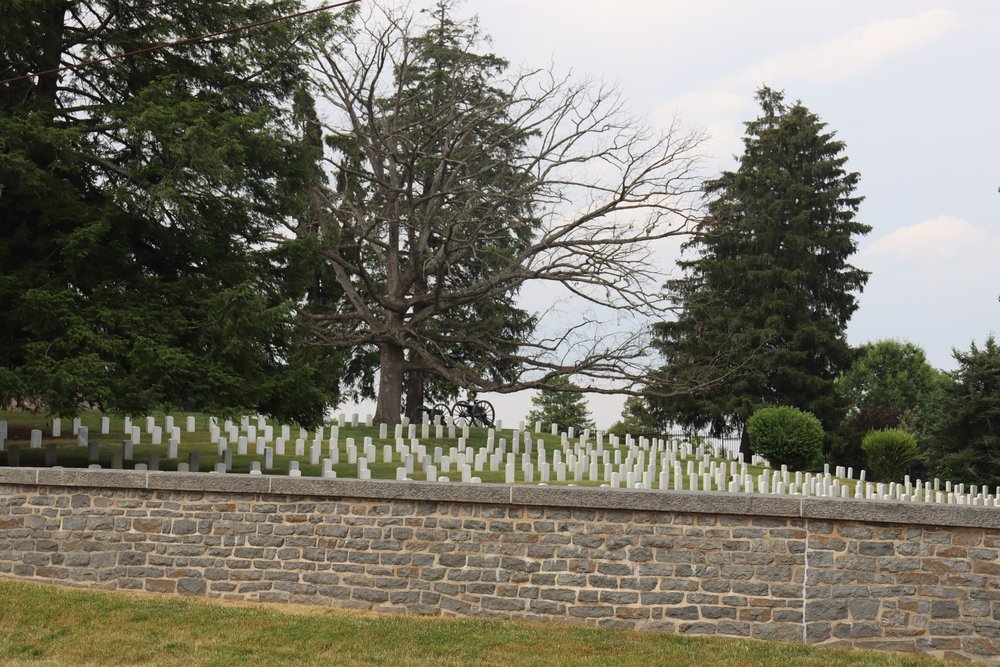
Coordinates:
474 413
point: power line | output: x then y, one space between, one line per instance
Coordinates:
180 42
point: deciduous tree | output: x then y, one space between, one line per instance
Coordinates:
890 384
459 184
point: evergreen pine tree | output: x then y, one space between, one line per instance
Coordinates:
965 443
141 199
771 291
565 407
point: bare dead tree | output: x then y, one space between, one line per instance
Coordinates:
546 183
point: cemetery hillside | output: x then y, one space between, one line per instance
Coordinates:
447 451
278 280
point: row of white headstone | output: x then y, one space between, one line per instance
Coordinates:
646 464
659 463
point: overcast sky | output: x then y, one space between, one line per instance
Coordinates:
909 86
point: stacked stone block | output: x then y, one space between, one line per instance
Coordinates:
788 570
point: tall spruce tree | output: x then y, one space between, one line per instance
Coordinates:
141 204
771 291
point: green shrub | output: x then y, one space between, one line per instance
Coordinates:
786 435
890 452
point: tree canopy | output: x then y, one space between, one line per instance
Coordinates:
889 385
965 444
890 373
563 405
142 258
456 208
770 291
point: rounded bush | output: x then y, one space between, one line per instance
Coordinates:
890 453
786 435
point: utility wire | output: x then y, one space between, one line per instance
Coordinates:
180 42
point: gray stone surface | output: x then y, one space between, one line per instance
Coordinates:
18 475
392 490
544 496
898 512
656 501
114 479
191 481
672 562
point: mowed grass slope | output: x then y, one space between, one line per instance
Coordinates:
48 625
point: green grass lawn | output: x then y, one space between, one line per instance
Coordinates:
70 454
48 625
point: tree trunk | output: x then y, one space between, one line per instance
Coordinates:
47 87
745 444
414 392
390 383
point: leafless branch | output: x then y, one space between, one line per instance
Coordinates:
593 188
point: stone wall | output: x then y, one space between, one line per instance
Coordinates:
847 573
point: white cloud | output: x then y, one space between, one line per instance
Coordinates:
941 239
717 113
852 53
935 282
721 106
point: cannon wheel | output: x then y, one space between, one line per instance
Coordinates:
440 410
480 413
463 412
485 414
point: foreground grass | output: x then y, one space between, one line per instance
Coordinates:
47 625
